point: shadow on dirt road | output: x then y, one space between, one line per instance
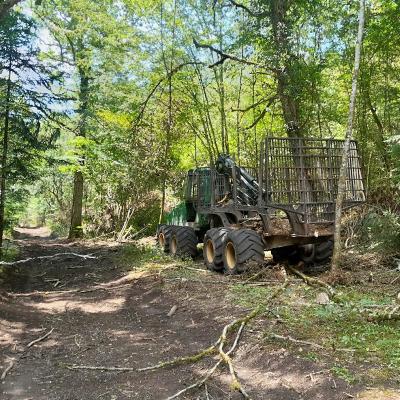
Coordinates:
98 318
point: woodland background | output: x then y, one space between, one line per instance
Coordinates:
104 105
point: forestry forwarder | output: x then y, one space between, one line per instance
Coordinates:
287 206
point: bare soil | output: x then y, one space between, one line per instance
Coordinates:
100 317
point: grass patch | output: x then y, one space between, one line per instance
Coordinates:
344 373
154 261
334 326
249 296
10 251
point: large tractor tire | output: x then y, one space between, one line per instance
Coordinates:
183 242
164 235
316 260
213 249
315 256
242 246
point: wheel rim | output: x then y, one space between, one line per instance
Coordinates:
161 240
174 245
210 252
230 255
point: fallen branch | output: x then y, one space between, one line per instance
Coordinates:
236 385
395 279
41 338
7 369
13 362
293 340
313 281
304 342
312 374
101 368
391 313
84 256
254 277
183 360
210 372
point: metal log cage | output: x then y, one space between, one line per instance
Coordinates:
302 176
296 176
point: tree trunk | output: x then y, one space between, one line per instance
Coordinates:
3 175
253 101
6 6
238 144
380 138
170 116
167 146
281 32
208 121
76 228
346 147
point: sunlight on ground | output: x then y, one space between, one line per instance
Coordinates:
269 379
378 394
42 232
86 306
8 331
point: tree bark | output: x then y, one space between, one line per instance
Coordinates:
238 104
3 175
380 138
346 146
6 6
281 32
170 114
76 228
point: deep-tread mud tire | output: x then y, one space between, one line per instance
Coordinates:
213 249
321 255
183 242
242 247
164 235
315 256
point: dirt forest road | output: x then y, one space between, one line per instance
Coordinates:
97 317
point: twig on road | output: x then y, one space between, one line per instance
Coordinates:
11 263
101 368
7 369
41 338
210 372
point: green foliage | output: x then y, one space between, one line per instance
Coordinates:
10 253
27 106
17 201
380 230
151 108
344 373
248 296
